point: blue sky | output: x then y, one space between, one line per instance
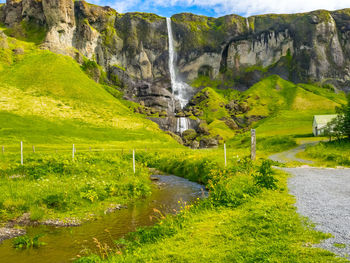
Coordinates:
221 7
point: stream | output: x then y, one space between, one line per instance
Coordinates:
64 244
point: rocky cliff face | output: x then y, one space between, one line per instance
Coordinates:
133 48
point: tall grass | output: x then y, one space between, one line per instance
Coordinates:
330 153
54 186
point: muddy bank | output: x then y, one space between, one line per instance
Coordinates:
12 228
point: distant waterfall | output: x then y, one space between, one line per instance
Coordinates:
181 91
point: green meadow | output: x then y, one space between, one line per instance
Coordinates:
49 102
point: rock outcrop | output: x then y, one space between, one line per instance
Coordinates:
302 47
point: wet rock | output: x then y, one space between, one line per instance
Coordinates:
170 123
113 208
7 233
154 178
67 222
180 114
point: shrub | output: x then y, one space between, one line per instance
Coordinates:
264 177
55 201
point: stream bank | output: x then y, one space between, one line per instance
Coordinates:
64 244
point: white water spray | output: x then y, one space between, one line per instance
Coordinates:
181 91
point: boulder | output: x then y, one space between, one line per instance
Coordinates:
208 143
194 144
188 136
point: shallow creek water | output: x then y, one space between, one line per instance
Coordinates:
64 244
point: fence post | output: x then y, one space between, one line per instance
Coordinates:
21 153
133 160
225 154
73 151
253 145
33 148
3 149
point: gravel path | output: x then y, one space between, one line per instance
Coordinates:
323 195
290 155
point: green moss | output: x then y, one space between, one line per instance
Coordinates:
219 128
94 71
120 67
149 17
27 31
213 106
205 32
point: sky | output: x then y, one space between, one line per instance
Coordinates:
217 8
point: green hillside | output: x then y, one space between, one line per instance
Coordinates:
289 107
47 98
273 106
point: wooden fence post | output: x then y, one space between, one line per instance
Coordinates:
225 154
3 149
21 153
33 148
133 160
73 151
253 145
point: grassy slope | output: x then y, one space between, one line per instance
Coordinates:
289 109
47 98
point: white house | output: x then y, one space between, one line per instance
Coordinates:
320 123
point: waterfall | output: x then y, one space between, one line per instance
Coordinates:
181 91
247 22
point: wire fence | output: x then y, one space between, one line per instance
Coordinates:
23 150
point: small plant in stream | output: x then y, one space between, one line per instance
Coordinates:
26 242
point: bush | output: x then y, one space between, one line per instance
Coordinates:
264 177
55 201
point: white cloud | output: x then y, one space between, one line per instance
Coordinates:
223 7
244 7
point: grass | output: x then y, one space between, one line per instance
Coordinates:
54 186
336 153
47 98
239 222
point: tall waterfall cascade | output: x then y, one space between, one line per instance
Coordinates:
182 92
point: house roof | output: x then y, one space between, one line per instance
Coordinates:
324 119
